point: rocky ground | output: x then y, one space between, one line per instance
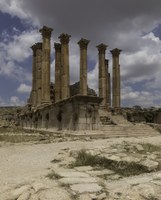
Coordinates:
80 169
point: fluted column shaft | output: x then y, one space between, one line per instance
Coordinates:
45 85
33 96
108 83
116 101
57 47
38 72
83 44
102 74
64 39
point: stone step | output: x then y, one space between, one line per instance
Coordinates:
114 134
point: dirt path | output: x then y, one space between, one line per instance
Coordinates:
26 163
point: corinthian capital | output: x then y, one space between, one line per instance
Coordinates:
46 31
35 47
116 52
101 48
57 46
83 43
64 38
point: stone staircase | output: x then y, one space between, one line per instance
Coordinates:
105 120
118 126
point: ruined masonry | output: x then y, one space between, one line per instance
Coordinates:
58 106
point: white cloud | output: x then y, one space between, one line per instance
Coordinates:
23 88
15 101
17 8
14 50
18 46
12 101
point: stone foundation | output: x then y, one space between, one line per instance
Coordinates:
76 113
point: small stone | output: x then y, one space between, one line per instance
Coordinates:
84 197
156 182
150 165
115 177
73 174
146 191
25 196
157 176
113 157
93 196
101 172
101 196
39 186
19 191
54 193
72 180
152 157
82 188
139 147
83 168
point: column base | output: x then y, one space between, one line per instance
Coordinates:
117 110
46 103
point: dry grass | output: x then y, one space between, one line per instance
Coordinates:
122 168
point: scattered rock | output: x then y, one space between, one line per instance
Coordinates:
157 176
150 165
113 157
152 157
157 182
84 197
73 174
25 196
83 188
146 191
101 172
77 180
93 196
83 168
101 196
54 193
139 147
15 194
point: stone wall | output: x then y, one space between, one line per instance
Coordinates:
143 115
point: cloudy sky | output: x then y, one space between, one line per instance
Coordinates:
133 26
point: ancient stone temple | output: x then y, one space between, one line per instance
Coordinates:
60 106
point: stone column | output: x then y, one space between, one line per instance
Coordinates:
116 79
83 44
57 47
38 72
108 84
64 39
33 96
45 84
102 75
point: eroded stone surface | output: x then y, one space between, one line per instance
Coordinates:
73 174
82 188
84 168
149 164
73 180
